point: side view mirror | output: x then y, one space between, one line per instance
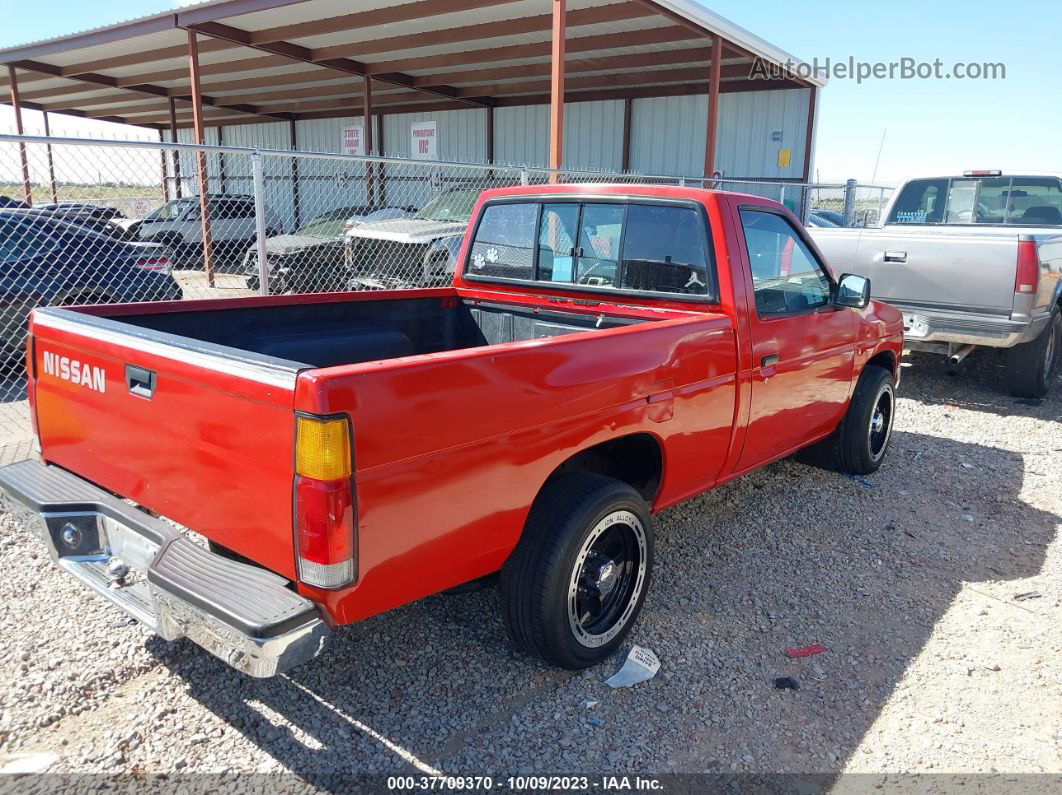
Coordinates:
853 291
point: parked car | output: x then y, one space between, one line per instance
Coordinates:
972 261
311 259
100 212
233 227
6 202
85 218
46 261
603 353
402 249
818 219
833 216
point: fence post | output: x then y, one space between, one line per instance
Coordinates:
881 207
260 221
849 201
525 178
781 194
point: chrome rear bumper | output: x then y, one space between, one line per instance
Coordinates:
242 614
927 328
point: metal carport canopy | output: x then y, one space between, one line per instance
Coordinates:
278 59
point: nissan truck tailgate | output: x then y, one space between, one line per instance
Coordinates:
191 431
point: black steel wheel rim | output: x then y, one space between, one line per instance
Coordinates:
607 579
880 424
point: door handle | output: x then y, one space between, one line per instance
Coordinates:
140 381
896 256
769 361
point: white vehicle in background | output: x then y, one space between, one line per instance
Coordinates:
178 225
972 260
383 214
405 251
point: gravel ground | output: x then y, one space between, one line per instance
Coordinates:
910 578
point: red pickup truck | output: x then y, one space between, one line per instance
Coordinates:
603 353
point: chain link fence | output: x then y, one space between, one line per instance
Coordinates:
123 221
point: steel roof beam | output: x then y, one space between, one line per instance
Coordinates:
297 52
578 44
142 88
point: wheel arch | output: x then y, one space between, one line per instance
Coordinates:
636 459
886 359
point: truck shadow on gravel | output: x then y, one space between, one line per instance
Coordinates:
782 558
978 384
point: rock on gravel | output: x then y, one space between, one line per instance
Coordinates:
907 578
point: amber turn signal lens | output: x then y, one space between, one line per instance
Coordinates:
322 448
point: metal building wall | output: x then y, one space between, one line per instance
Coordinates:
462 134
746 124
593 135
521 135
326 185
668 134
667 137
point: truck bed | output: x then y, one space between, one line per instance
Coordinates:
314 335
157 403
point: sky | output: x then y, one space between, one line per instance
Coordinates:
934 126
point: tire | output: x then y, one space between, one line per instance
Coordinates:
580 525
861 441
1032 365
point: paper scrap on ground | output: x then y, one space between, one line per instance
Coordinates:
17 764
641 665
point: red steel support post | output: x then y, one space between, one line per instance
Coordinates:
53 191
27 192
178 190
366 116
714 74
200 156
556 88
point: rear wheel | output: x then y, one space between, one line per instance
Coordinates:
1032 365
576 582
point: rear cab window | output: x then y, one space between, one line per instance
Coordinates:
989 201
627 246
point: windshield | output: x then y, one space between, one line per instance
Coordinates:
454 205
170 211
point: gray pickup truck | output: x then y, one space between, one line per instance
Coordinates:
970 261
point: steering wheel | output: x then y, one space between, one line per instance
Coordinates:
590 278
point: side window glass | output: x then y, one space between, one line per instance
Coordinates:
505 242
786 276
1036 202
599 244
961 197
663 250
556 242
222 211
920 202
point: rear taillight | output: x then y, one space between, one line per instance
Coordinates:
324 503
1027 273
156 264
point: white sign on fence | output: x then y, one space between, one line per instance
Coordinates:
354 140
424 140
